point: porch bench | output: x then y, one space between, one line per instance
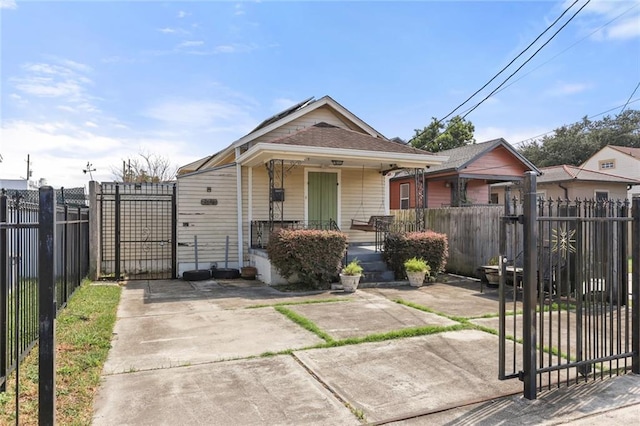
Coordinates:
495 268
374 222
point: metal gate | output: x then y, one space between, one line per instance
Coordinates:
569 302
138 230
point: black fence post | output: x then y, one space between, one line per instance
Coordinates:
530 238
117 233
47 296
635 286
4 292
174 234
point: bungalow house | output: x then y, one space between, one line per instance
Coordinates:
464 179
314 165
571 182
618 160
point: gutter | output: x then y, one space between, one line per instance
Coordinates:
566 191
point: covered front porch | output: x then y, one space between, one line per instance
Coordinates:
302 187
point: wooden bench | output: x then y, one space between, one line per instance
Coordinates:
373 224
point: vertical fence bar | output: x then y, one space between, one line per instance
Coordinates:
530 284
46 273
635 288
174 234
117 232
4 293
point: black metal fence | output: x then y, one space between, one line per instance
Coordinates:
41 255
138 230
576 286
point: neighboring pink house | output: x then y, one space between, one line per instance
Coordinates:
464 179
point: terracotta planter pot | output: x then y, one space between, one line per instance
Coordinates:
248 272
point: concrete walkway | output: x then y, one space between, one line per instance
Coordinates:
224 353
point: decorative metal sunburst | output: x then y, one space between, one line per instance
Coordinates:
563 241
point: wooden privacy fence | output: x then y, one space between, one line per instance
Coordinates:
473 233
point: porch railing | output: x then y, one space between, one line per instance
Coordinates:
261 229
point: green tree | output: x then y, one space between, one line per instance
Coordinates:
439 137
573 144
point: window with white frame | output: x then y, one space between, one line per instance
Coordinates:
404 196
607 164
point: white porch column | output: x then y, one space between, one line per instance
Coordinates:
239 208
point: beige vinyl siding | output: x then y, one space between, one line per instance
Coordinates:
372 199
210 223
584 190
293 189
625 166
314 117
350 190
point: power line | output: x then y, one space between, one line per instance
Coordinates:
527 61
632 93
510 63
570 47
588 118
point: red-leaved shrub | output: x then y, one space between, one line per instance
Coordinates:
316 256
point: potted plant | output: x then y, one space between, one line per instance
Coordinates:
416 270
492 274
350 276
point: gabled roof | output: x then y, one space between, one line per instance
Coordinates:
328 136
461 157
287 116
324 143
633 152
566 173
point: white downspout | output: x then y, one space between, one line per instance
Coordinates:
239 204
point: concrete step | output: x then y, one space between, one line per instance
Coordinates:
376 266
377 276
364 257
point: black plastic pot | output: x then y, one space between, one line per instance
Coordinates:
225 273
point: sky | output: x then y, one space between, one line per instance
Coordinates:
96 82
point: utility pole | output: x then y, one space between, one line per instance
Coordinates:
29 171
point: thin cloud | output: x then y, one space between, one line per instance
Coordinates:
183 14
239 9
167 30
599 12
195 113
8 4
65 80
565 89
191 43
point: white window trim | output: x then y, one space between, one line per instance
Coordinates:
408 197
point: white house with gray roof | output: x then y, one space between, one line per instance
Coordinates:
314 165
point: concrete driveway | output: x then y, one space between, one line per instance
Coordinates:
232 353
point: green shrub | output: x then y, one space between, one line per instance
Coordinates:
431 246
316 256
353 268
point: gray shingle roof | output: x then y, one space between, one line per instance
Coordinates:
328 136
565 173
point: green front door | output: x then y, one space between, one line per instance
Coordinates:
323 198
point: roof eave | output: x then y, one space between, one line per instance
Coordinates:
260 151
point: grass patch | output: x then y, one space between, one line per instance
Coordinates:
304 302
304 322
395 334
83 339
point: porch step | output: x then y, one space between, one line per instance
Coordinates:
377 276
375 268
